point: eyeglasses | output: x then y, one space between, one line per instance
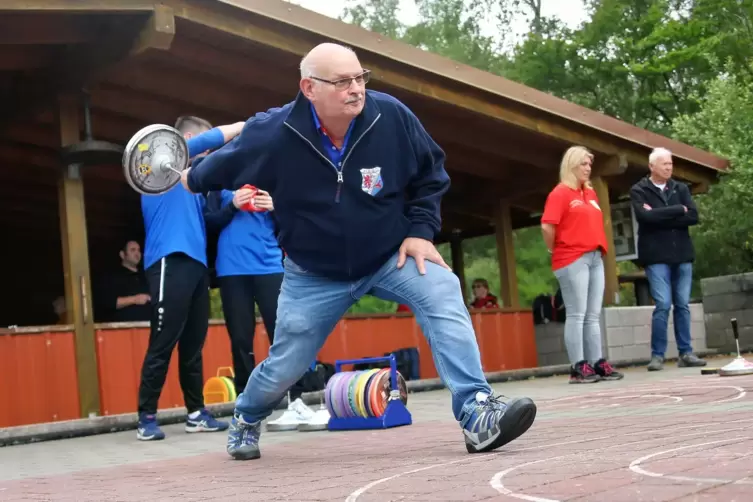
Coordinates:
344 83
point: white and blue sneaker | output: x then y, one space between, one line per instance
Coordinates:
243 438
148 430
495 423
203 421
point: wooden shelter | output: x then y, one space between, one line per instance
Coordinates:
143 62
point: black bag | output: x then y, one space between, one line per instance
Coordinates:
316 379
548 308
406 361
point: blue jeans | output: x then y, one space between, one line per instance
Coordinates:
670 286
310 306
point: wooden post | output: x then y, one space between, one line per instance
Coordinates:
611 283
76 263
506 252
456 250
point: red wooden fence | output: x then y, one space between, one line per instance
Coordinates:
38 365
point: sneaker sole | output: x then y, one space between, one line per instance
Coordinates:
612 378
149 438
282 427
313 427
516 421
239 455
203 429
585 381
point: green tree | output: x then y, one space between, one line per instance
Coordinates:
642 61
724 235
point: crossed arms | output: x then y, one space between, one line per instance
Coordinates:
674 216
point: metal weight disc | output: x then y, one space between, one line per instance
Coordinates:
154 158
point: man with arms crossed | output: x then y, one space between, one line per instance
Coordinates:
665 210
357 184
175 262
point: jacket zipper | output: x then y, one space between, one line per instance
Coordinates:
339 171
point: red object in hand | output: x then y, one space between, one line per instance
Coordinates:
249 206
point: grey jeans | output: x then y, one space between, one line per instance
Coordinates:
582 285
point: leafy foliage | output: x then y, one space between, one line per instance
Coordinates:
724 125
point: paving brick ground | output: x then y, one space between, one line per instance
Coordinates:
668 436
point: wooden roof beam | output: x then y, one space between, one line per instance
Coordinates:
519 184
147 108
32 57
447 233
484 140
454 221
157 33
188 88
76 6
471 212
532 203
24 28
84 63
457 160
611 165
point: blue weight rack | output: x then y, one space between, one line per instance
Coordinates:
395 415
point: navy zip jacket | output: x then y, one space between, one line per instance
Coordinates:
340 221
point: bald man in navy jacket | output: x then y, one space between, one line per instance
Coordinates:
357 184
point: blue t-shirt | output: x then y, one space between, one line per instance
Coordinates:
174 221
247 245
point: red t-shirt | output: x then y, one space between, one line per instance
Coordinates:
579 227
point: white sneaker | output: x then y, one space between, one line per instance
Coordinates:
319 422
296 414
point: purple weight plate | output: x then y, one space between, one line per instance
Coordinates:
328 396
336 395
337 400
345 401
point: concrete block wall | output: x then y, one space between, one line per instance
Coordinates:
724 298
626 335
627 331
550 344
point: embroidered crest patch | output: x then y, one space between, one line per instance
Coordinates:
371 180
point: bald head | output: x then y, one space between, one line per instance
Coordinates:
333 80
319 60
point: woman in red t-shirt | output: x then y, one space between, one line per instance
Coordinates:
573 231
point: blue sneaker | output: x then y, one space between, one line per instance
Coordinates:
148 430
495 423
243 439
205 422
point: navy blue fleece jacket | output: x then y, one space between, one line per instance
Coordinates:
332 221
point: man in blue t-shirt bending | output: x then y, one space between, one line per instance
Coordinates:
175 262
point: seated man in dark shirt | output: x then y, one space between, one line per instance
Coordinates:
125 294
